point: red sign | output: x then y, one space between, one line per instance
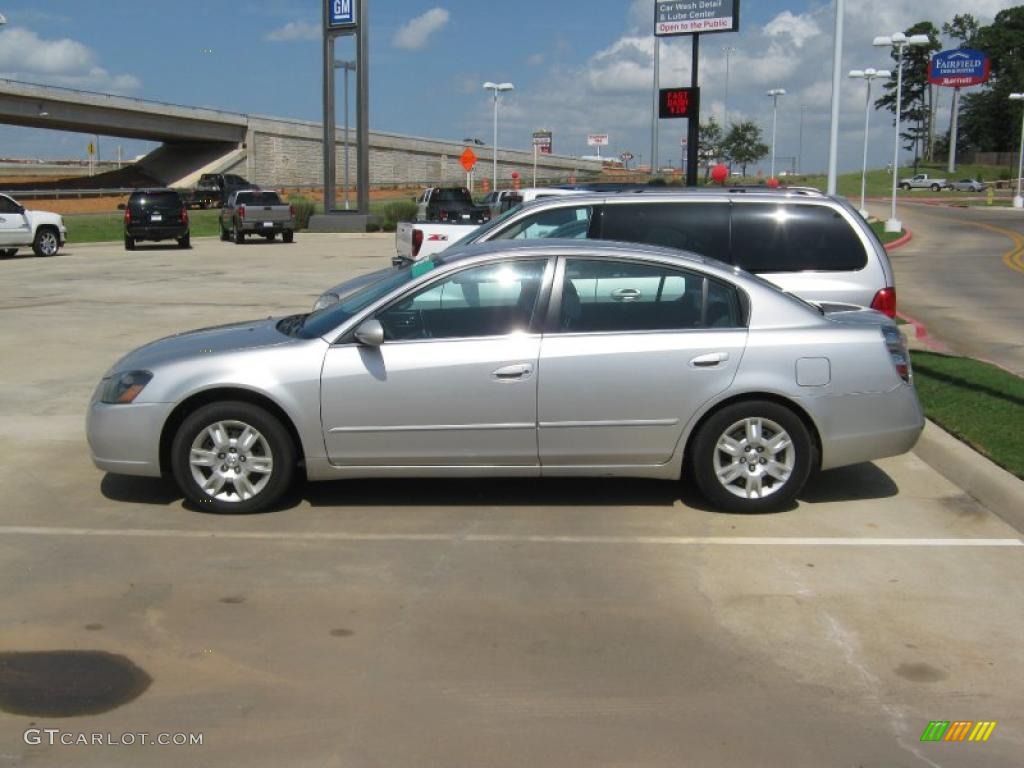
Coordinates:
959 68
678 102
468 159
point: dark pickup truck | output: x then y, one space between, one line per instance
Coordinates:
452 205
213 189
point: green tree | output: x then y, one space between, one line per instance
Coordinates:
744 144
963 28
917 106
989 121
710 147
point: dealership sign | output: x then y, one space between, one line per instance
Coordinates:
690 17
959 68
542 141
597 139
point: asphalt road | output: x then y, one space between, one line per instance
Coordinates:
962 276
461 623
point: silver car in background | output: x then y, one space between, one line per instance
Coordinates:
519 359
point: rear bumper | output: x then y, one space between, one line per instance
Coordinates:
149 232
257 227
869 426
125 439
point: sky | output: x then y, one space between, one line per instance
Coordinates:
579 67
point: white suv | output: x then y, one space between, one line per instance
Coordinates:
20 228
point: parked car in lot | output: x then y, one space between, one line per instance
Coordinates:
501 200
43 231
924 181
156 214
256 212
519 359
452 205
815 246
213 189
969 185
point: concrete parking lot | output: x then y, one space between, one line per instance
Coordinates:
462 623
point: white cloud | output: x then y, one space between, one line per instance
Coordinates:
25 55
293 31
799 29
535 59
416 32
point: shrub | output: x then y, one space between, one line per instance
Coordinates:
304 208
399 210
372 226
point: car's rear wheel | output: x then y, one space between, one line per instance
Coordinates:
753 456
905 187
936 188
129 243
185 242
47 242
237 235
224 234
287 236
232 457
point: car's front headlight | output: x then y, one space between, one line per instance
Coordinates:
326 300
124 387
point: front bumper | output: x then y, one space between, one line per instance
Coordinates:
125 439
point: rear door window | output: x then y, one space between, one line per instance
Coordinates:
564 222
162 200
701 228
258 198
768 237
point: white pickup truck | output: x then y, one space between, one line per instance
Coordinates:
419 239
20 228
924 181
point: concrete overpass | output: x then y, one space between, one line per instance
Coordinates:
270 151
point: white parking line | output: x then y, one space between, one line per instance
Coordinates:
500 538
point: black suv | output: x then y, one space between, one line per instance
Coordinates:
155 214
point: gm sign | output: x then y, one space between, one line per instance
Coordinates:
341 13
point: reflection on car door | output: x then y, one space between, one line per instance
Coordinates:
454 383
636 351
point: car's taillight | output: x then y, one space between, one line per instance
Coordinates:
417 242
127 215
898 352
241 211
885 302
291 211
184 216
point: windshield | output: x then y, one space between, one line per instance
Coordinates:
325 320
477 234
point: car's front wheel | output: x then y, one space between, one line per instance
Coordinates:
47 242
232 457
753 456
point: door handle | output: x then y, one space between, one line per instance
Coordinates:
710 360
513 372
626 294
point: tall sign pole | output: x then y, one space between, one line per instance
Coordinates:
685 17
837 80
345 18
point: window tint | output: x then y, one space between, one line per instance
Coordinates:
619 296
551 222
490 300
794 238
258 198
697 227
7 205
164 199
452 196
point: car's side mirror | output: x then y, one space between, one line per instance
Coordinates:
370 333
21 209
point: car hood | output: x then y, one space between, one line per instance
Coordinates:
204 343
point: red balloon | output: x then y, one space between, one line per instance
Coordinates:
773 183
515 174
720 173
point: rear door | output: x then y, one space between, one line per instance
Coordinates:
631 352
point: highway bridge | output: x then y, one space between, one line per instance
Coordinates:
270 151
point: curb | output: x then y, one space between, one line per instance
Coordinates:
993 486
907 237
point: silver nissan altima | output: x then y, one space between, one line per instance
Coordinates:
527 359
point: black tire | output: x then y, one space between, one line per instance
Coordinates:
237 235
186 241
799 458
225 236
46 242
936 188
274 437
905 187
7 253
287 236
129 243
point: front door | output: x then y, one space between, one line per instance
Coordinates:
638 349
14 229
453 384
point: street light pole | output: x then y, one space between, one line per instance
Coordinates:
1018 201
728 50
800 145
837 80
348 66
899 41
775 93
496 88
868 75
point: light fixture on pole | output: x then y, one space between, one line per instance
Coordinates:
728 50
899 41
1018 200
348 66
496 89
868 75
775 93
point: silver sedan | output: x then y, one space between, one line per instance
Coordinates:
519 359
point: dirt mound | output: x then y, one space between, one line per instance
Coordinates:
130 176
